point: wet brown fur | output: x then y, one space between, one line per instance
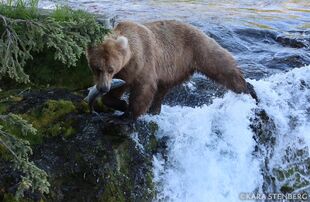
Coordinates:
159 56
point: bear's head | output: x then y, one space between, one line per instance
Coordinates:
107 59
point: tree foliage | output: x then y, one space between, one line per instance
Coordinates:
33 177
25 30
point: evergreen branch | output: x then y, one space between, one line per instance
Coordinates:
20 150
66 32
5 145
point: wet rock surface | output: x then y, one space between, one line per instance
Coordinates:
95 162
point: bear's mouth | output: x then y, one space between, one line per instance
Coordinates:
94 93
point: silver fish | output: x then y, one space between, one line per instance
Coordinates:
94 93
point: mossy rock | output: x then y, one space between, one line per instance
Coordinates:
11 198
113 190
293 177
7 98
80 151
49 116
51 111
286 189
50 120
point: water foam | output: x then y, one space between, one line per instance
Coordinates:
210 148
286 99
209 151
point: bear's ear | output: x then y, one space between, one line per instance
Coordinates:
122 42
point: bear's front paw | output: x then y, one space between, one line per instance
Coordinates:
154 110
251 91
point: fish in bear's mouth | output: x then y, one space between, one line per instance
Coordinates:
94 93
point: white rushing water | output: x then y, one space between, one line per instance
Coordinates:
210 148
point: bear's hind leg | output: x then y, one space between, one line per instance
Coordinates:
222 68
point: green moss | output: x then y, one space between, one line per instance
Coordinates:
286 189
152 144
290 172
300 181
123 157
150 184
60 128
153 127
116 134
11 198
48 119
82 106
69 132
279 174
3 108
16 98
293 178
8 98
52 110
6 94
113 190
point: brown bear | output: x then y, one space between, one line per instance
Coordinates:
154 57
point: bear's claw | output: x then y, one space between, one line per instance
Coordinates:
252 92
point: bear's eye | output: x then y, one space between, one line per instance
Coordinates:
110 70
96 68
98 71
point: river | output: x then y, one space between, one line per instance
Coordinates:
213 153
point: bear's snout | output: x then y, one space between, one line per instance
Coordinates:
103 88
